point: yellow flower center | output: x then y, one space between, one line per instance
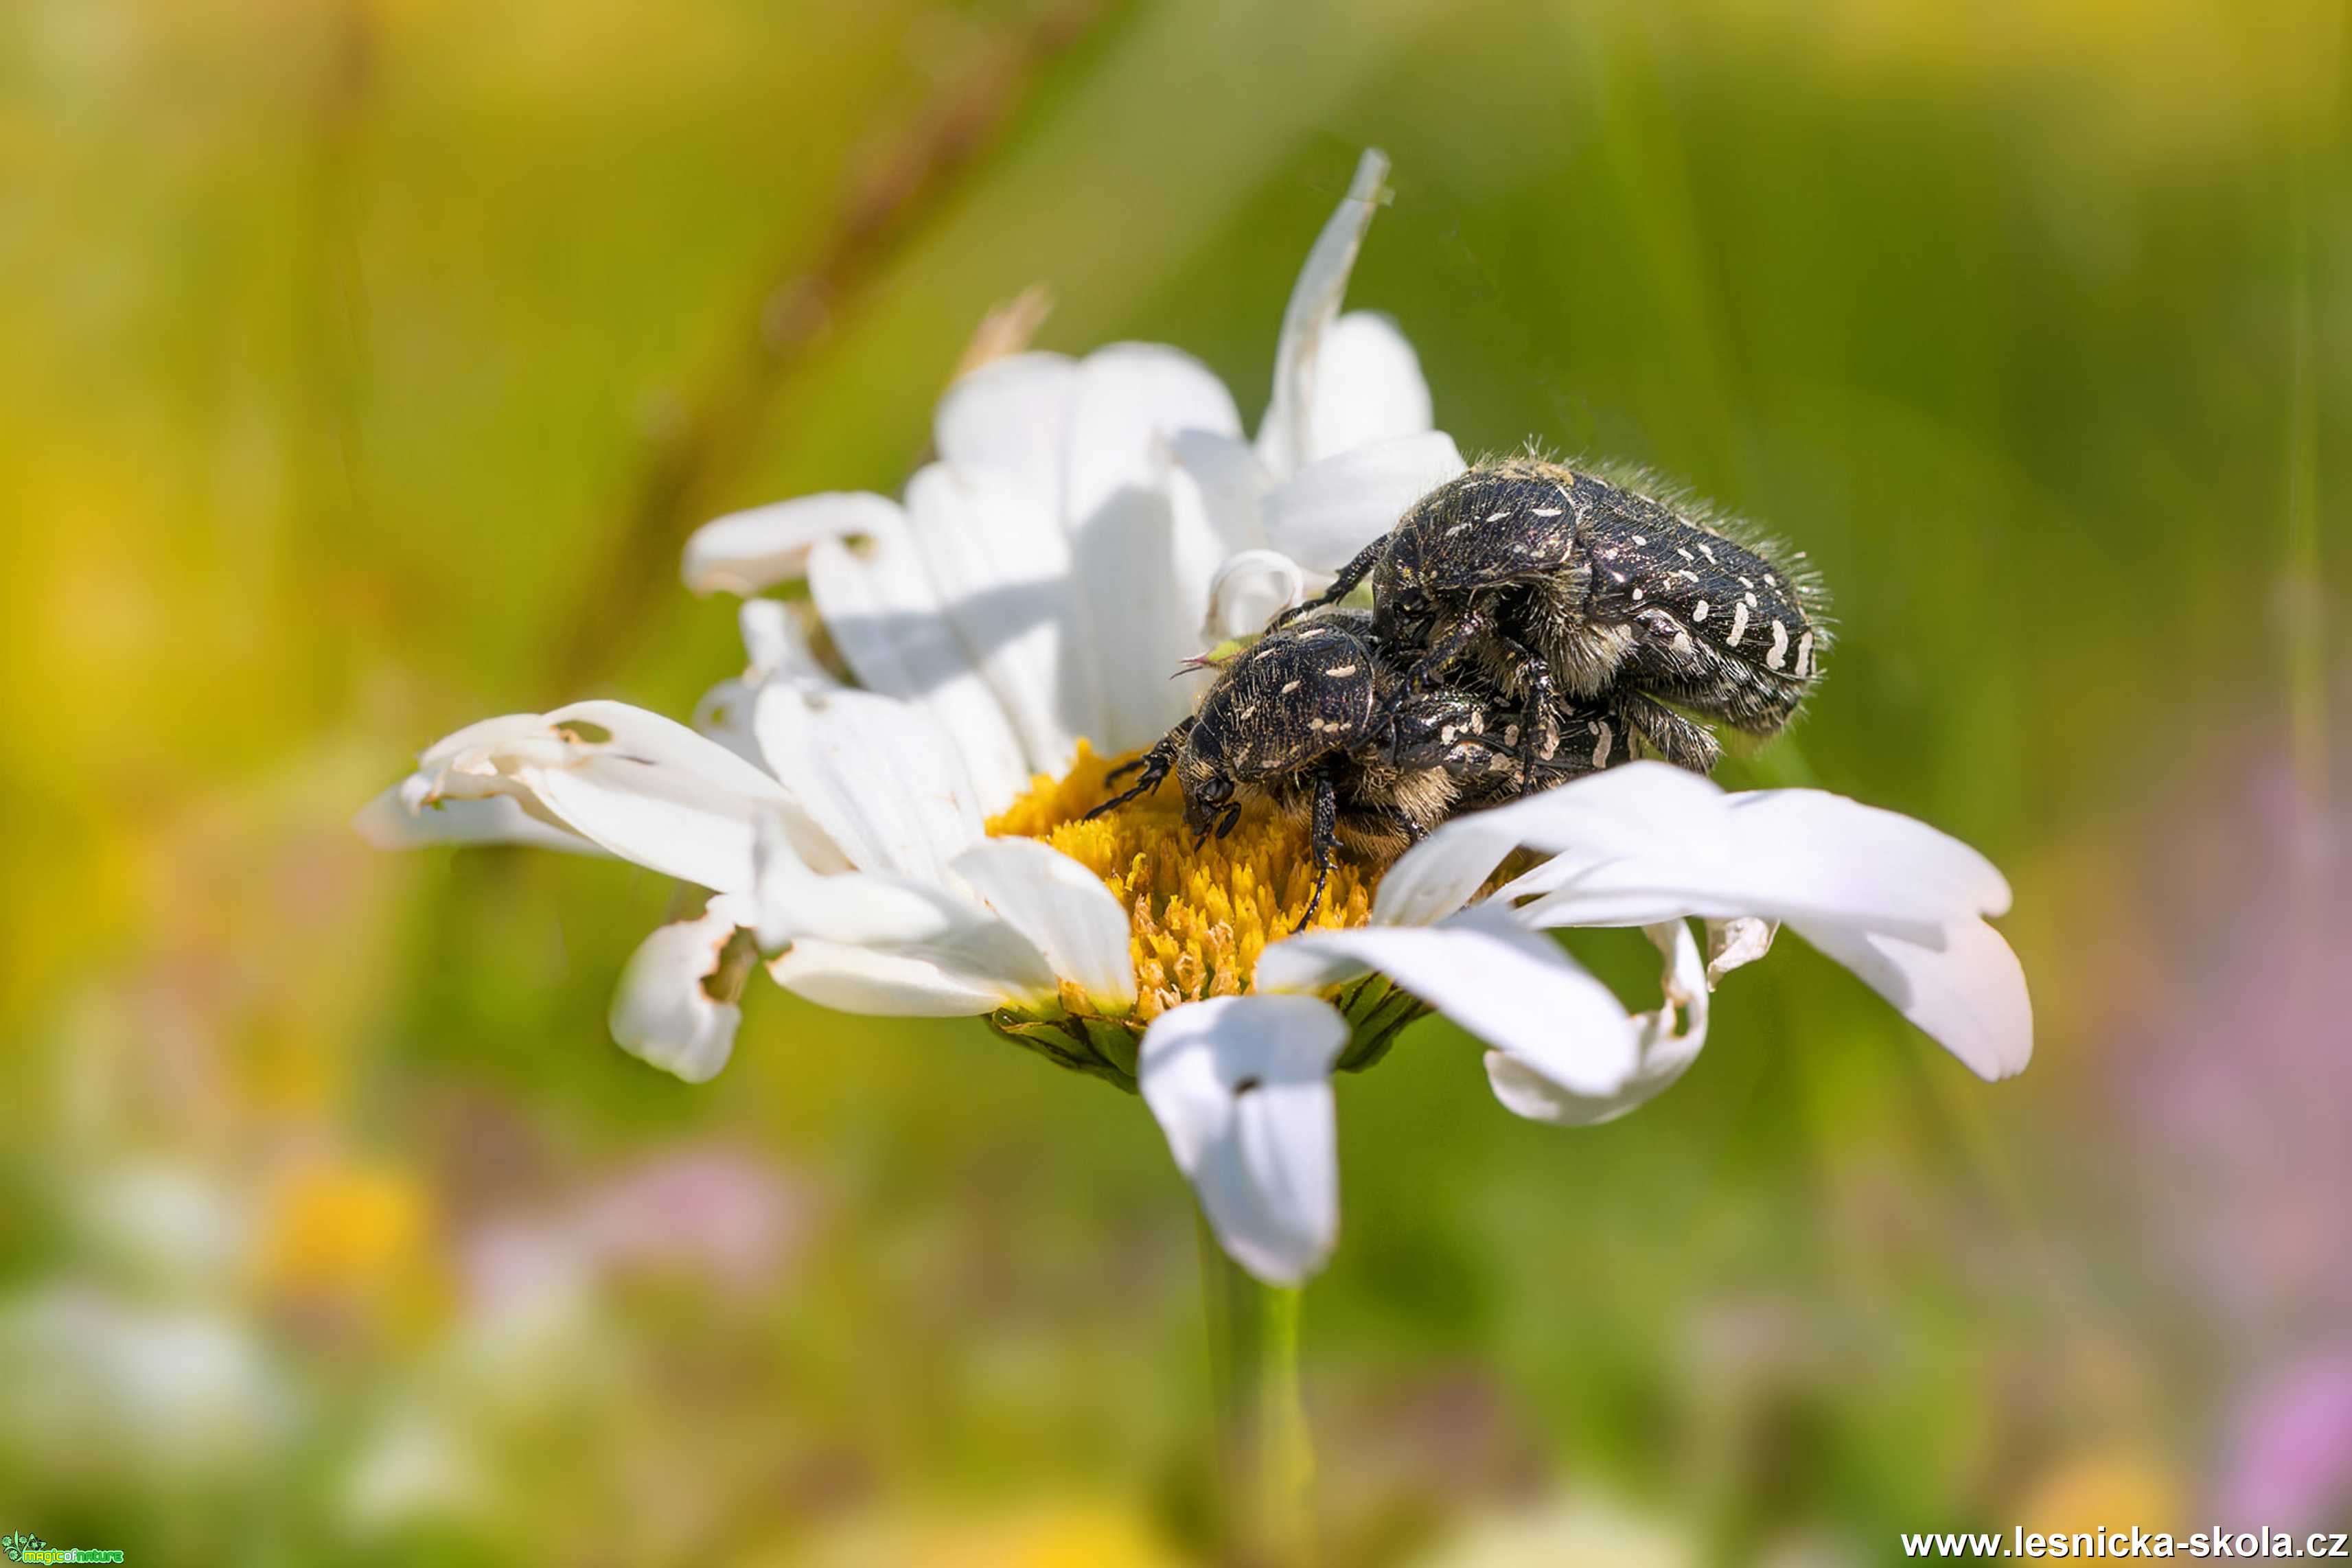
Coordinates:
1198 917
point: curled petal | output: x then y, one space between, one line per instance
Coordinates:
1251 589
1967 990
1511 987
1062 908
1286 438
1666 1041
1241 1088
745 551
1326 512
1736 944
675 1007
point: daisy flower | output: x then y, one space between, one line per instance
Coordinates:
888 806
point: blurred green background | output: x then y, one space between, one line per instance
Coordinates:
366 362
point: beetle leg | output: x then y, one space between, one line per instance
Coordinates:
1155 763
1680 741
1324 835
1353 572
1540 723
1445 650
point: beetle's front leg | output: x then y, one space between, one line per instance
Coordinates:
1540 722
1680 741
1155 763
1324 835
1353 572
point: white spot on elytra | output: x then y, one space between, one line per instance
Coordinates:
1343 669
1617 576
1748 599
1699 613
1637 592
1805 654
1545 510
1495 516
1779 654
1288 687
1738 626
1707 550
1445 736
1639 538
1510 734
1748 582
1248 710
1684 554
1460 526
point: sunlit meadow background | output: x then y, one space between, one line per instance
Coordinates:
363 366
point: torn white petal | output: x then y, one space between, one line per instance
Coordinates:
665 1011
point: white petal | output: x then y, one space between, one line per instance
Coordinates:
1638 844
641 786
1667 1040
659 795
853 979
745 551
387 823
1284 438
884 614
790 901
1242 1087
778 646
1125 563
664 1014
1510 987
1062 907
1969 995
779 652
1012 416
1221 475
1002 563
1328 510
1368 388
1846 854
1249 590
876 774
1437 876
1130 401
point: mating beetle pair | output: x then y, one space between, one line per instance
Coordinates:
1529 623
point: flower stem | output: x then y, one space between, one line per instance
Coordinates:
1264 1453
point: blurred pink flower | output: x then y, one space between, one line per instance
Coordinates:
2289 1464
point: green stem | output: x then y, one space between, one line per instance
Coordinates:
1264 1452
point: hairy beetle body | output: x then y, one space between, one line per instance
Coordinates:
1567 589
